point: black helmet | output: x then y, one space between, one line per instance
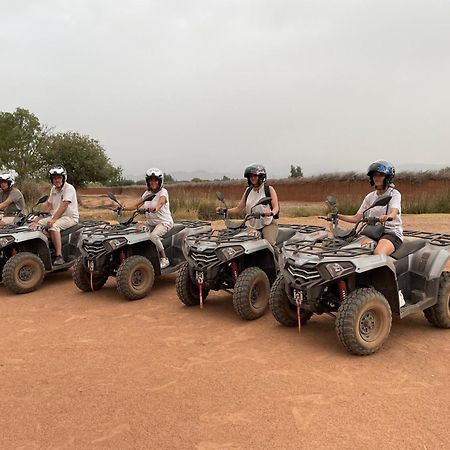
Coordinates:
255 169
382 167
57 170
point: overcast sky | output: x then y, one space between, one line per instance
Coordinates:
217 84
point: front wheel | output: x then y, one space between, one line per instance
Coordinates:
363 321
187 291
439 314
135 277
282 309
23 272
82 277
251 293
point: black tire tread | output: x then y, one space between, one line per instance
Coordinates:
437 314
183 285
348 309
9 279
279 304
81 277
241 292
122 274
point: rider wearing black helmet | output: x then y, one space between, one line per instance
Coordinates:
381 175
257 189
158 215
62 204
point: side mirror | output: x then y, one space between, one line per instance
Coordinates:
331 200
112 197
149 197
220 196
264 201
43 199
382 201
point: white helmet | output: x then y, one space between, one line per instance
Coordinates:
8 177
154 173
57 170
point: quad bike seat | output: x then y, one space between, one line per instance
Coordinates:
71 229
283 235
408 247
177 227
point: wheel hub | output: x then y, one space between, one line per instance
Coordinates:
368 325
254 294
137 278
25 273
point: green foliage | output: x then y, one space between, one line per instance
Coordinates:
169 179
296 172
83 157
21 142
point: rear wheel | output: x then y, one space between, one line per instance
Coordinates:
23 273
251 293
187 291
135 277
439 314
363 321
282 309
82 277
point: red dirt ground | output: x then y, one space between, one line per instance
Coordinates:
91 370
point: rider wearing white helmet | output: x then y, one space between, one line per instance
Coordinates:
158 216
381 175
11 199
62 204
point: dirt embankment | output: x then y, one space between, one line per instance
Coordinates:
299 191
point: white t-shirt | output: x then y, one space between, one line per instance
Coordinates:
67 194
253 198
394 226
161 216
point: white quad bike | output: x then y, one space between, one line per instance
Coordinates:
26 251
341 276
129 253
234 260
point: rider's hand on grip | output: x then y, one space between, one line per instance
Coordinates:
221 211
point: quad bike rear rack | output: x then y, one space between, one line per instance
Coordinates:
439 239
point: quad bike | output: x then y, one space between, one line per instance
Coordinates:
341 276
21 219
234 260
129 253
26 253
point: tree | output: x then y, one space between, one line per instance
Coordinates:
296 172
169 179
21 142
83 157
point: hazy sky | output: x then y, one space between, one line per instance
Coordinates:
217 84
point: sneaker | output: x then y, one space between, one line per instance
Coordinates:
164 263
59 261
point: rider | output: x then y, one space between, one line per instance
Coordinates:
159 218
381 175
257 189
63 207
11 199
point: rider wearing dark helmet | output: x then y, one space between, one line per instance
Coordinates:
257 189
381 175
62 204
158 215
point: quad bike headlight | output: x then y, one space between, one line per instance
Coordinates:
227 253
113 244
6 240
337 270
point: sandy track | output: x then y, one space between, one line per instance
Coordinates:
90 370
